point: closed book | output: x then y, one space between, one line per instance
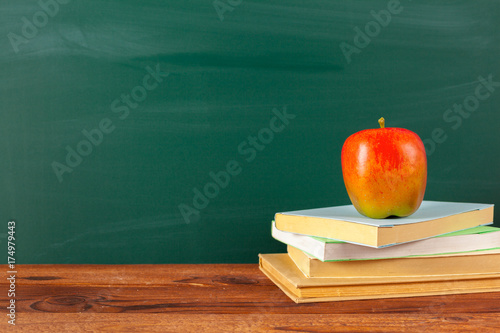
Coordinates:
281 270
346 224
488 262
477 240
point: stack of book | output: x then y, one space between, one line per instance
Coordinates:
336 254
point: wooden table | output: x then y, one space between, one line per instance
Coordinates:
219 298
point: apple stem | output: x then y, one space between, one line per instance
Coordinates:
381 122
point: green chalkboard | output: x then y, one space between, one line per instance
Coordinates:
172 131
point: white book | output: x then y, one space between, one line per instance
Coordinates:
477 239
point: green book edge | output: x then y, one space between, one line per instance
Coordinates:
470 231
410 256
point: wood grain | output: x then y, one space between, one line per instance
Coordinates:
223 297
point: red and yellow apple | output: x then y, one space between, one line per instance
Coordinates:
385 171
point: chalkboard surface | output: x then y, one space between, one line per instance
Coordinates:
172 131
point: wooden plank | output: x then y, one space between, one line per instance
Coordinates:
92 322
225 297
229 300
103 275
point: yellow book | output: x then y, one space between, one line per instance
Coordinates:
280 269
484 262
344 223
